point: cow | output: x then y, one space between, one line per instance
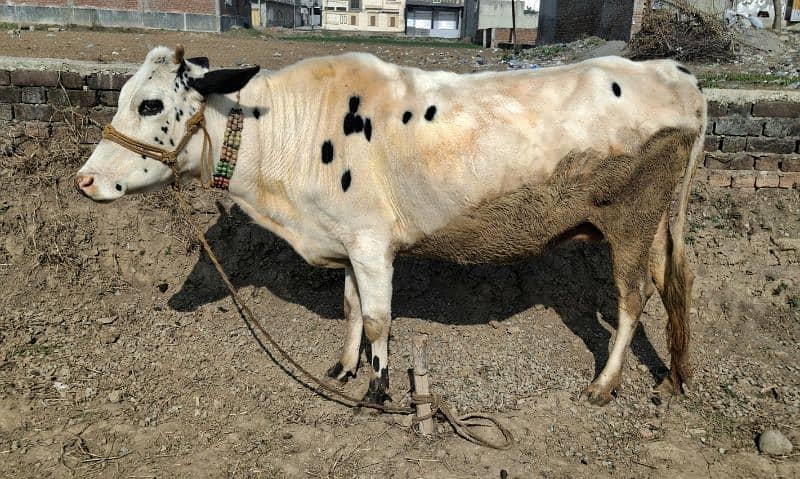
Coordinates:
354 161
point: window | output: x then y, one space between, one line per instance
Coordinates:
372 20
355 5
352 19
392 22
343 19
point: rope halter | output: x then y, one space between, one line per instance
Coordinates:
170 157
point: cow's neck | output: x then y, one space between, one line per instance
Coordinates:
266 151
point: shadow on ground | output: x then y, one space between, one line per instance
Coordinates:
573 279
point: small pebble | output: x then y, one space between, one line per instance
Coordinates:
115 396
773 442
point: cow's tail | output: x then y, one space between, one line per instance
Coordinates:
678 279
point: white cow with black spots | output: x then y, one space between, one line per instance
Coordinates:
353 160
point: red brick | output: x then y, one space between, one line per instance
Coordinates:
6 112
36 112
767 180
791 163
768 162
712 143
5 78
107 81
743 180
9 94
781 109
790 180
72 80
719 179
737 126
33 94
109 98
34 78
771 145
733 144
80 98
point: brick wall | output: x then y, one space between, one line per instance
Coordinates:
753 141
568 20
186 6
525 36
191 15
753 137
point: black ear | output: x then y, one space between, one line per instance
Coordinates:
202 61
223 81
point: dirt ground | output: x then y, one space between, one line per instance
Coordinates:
121 357
271 50
763 60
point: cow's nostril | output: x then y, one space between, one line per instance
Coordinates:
84 181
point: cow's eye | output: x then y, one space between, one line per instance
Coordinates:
150 107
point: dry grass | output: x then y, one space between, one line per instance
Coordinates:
682 32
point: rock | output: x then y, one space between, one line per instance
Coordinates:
109 337
773 442
115 396
106 320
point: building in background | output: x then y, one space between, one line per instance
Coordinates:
364 15
435 18
490 22
303 14
194 15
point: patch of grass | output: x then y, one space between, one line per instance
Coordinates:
793 301
780 289
378 40
549 51
715 80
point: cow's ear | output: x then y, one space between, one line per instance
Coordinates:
223 81
201 61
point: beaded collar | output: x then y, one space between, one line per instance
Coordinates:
229 151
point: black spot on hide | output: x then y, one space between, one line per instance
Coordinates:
430 112
164 129
346 180
684 69
327 152
616 89
376 364
406 117
354 102
368 129
349 123
256 113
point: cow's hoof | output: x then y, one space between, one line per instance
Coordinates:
338 372
597 394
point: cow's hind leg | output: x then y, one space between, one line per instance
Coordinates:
373 270
348 363
631 280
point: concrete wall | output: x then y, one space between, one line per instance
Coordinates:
190 15
563 21
497 14
753 136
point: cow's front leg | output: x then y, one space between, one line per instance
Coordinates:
373 270
348 363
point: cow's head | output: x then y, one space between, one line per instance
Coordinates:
154 106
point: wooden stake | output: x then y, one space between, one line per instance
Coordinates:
421 386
